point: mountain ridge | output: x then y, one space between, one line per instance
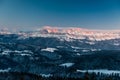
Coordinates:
69 33
76 33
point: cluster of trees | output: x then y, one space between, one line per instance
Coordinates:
30 76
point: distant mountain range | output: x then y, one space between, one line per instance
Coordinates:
75 33
74 37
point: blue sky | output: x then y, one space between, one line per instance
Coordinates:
31 14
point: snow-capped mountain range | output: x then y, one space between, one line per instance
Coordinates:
73 33
69 33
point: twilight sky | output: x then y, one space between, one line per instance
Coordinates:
31 14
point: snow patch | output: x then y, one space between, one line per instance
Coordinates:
116 44
49 49
60 46
78 54
75 47
22 53
91 43
5 70
25 54
104 71
85 50
5 52
67 64
95 49
45 75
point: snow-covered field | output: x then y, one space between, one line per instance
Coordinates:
5 70
104 71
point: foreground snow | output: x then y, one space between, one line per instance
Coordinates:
5 70
104 71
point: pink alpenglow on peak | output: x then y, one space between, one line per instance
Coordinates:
70 33
78 33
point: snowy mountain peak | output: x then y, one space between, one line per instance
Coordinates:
69 33
5 31
76 33
62 30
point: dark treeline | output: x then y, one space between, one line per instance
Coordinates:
30 76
